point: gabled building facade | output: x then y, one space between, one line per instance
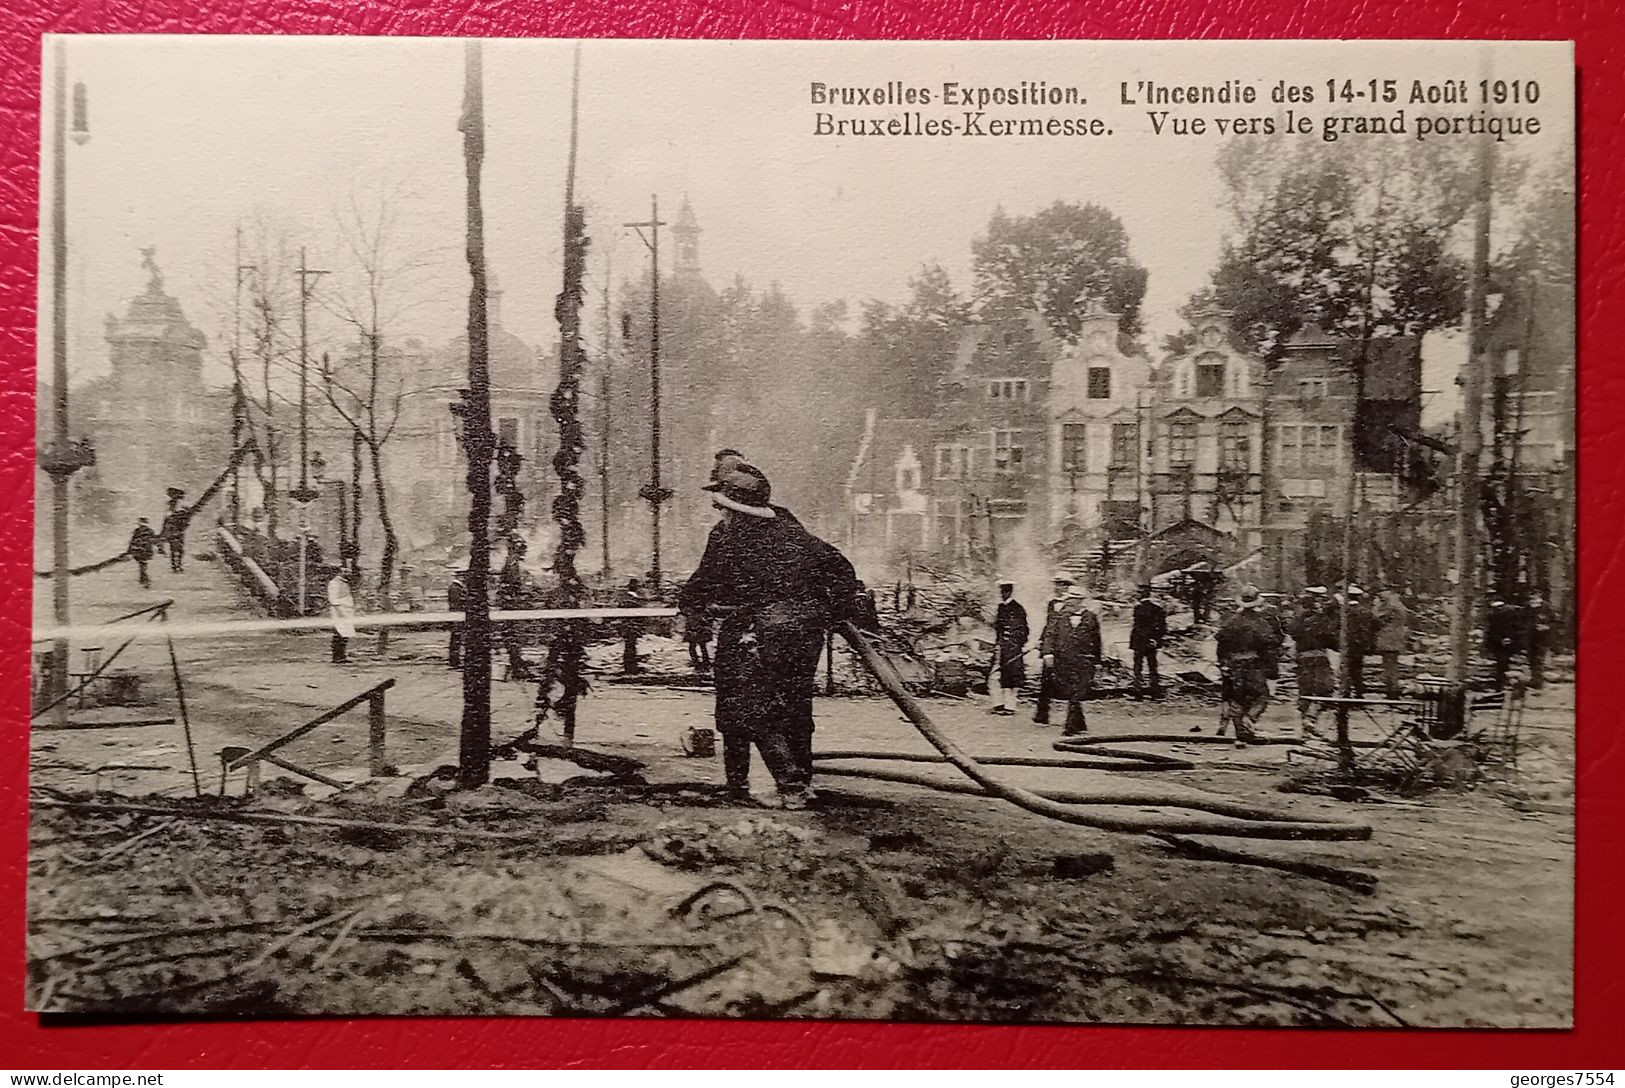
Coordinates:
1098 472
1207 461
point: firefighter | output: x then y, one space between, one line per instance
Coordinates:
1362 639
1314 637
1010 648
1246 643
777 589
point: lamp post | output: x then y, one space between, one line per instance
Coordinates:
62 457
653 492
303 495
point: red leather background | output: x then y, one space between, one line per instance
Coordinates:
1600 965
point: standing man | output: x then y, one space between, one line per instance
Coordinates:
513 588
1145 639
1071 647
1009 647
173 530
143 542
341 608
1314 637
1502 638
1393 621
455 603
697 636
1063 583
778 590
1362 639
1538 626
631 597
1246 644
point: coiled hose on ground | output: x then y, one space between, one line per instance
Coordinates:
1074 807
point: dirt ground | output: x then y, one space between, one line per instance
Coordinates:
566 892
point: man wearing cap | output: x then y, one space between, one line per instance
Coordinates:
1362 639
1070 646
1314 636
1145 639
143 542
1246 644
1063 583
1502 635
1010 647
778 590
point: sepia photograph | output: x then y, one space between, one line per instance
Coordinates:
1003 532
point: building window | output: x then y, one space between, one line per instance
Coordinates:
953 462
1009 456
1311 389
1181 445
1100 383
1210 376
1074 448
1313 445
1326 445
1007 389
908 477
1125 444
1235 446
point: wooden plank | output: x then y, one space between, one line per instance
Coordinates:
314 776
288 738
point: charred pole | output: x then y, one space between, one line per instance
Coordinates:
62 457
474 762
603 431
1469 489
654 492
563 684
239 397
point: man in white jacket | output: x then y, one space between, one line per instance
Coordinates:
341 607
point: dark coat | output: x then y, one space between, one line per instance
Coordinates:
142 543
1503 630
1248 643
779 588
1010 632
1362 630
1076 649
1314 629
454 595
1150 626
1247 636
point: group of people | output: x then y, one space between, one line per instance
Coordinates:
170 537
1069 650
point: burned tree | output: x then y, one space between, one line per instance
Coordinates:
563 682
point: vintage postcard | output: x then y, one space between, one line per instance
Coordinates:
1004 531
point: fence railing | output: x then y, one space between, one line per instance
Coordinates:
234 758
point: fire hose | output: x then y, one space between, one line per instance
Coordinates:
1072 806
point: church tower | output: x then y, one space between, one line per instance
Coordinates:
686 232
